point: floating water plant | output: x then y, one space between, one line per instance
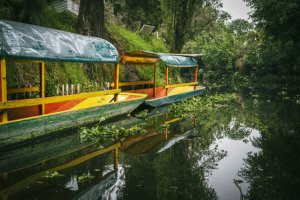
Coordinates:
85 177
187 108
101 132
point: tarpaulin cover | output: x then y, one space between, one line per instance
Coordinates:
172 60
24 41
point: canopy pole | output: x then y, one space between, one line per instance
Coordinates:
195 77
116 157
167 79
116 80
3 84
154 80
42 86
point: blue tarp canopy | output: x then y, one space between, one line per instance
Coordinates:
172 60
24 41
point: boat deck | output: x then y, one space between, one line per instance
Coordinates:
161 92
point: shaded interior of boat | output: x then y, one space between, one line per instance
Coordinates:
150 59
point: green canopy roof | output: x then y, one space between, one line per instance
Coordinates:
24 41
172 60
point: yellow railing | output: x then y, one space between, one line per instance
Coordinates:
23 90
181 85
46 100
133 83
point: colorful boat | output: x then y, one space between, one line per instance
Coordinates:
170 93
26 119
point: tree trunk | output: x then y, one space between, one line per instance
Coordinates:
91 18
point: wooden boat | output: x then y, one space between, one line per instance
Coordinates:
170 93
26 119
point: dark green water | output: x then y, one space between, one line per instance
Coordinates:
249 150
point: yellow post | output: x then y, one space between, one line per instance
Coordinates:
195 77
116 157
3 84
154 80
116 80
166 133
42 85
167 79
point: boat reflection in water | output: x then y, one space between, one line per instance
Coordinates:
71 169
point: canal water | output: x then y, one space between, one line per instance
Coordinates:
246 150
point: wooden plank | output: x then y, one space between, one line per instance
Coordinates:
3 88
133 83
181 85
22 90
39 101
138 60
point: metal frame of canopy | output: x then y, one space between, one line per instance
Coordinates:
171 60
13 48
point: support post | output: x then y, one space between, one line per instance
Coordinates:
166 133
116 157
154 80
42 86
195 77
3 84
116 80
167 79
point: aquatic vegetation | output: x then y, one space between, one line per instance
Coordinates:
50 175
142 114
101 132
187 108
85 177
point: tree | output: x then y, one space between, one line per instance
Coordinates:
91 18
279 18
186 18
27 11
139 12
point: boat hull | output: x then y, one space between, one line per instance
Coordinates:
174 98
28 129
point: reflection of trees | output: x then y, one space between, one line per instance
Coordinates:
273 173
226 122
177 173
182 170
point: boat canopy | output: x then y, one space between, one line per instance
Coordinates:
25 41
172 60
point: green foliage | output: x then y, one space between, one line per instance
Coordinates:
101 132
139 12
279 18
131 41
187 108
142 114
52 175
277 51
85 177
224 51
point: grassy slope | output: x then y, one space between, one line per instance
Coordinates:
126 40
